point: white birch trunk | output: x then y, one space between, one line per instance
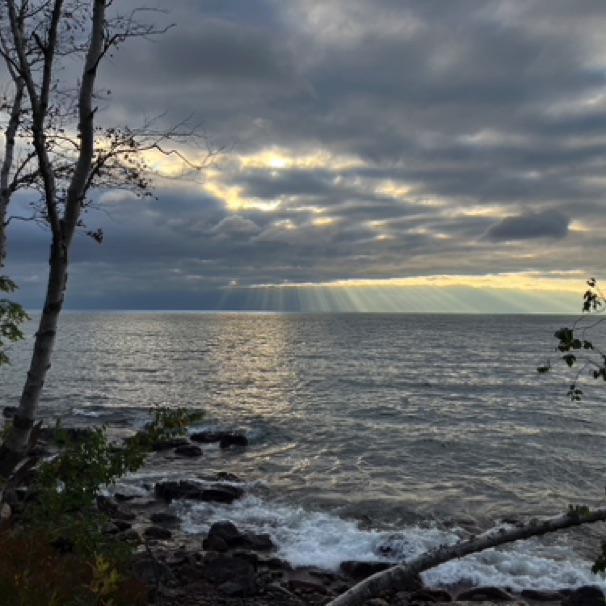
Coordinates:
400 575
15 448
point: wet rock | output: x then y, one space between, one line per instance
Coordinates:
222 493
377 602
496 594
113 510
233 440
158 532
164 518
227 531
225 438
234 576
169 443
178 490
188 450
542 596
302 586
249 556
431 595
585 596
258 542
361 570
150 570
214 544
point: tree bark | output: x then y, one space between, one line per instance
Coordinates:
399 576
62 229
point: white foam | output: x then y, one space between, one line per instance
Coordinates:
81 412
319 539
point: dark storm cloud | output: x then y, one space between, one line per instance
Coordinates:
549 224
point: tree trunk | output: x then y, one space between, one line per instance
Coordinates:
62 229
400 576
15 447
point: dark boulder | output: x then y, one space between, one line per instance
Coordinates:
258 542
165 519
585 596
214 544
170 443
158 532
539 595
235 439
222 493
178 490
227 531
225 438
431 595
234 576
302 586
188 450
495 594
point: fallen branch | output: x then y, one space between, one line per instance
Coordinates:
401 575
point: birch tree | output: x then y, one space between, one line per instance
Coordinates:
56 151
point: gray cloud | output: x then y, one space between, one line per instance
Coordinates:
549 224
408 137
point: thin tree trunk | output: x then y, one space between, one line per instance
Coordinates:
63 229
15 447
7 162
399 576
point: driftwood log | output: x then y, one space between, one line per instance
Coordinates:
399 576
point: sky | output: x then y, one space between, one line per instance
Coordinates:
374 155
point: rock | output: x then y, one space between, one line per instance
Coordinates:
377 602
149 570
214 544
204 437
164 518
178 490
228 440
585 596
276 564
361 570
542 596
249 556
222 493
169 443
8 412
496 594
113 510
227 531
234 576
302 586
431 595
188 450
157 532
258 542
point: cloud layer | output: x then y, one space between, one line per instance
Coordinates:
365 140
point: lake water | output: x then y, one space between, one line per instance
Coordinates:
364 428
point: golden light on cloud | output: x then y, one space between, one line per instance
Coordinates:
285 159
392 189
323 221
562 282
495 211
231 196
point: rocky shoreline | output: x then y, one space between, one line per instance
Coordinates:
231 567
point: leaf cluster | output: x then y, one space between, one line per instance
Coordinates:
12 316
576 349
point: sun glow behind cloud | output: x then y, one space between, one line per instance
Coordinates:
500 293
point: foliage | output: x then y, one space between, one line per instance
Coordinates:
12 315
58 552
34 573
574 346
68 484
